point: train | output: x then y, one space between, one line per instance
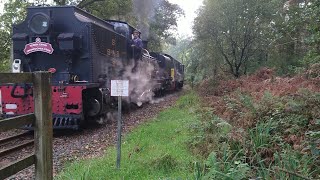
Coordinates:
83 53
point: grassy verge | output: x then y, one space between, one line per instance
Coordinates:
155 150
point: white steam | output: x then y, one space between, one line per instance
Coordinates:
141 74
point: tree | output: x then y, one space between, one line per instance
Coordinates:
109 9
163 24
181 49
295 37
14 12
79 3
105 9
313 27
234 28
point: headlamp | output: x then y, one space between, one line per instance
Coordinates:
39 23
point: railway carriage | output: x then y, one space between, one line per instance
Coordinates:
83 53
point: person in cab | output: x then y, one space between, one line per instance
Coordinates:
137 47
136 41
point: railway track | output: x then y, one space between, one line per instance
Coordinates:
14 143
10 138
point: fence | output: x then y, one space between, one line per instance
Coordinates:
41 120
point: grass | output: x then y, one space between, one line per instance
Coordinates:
154 150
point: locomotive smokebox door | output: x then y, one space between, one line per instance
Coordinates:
69 42
19 41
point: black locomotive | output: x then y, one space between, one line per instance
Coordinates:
83 53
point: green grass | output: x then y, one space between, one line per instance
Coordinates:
154 150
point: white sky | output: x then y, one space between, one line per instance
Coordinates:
185 23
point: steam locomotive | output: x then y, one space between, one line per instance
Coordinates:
83 53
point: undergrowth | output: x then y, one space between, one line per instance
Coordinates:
271 137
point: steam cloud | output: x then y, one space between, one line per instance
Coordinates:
140 74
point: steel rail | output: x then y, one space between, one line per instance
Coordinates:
10 138
16 147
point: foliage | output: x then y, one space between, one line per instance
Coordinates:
105 9
199 60
115 9
239 37
313 40
223 168
5 51
181 50
14 12
234 29
274 135
163 24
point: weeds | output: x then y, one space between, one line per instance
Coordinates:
165 163
187 101
279 137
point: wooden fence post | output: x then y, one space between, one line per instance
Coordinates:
43 126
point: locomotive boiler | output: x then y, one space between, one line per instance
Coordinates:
83 53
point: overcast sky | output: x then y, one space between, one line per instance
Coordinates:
190 7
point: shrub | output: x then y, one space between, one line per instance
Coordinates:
280 137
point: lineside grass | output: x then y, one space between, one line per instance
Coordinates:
154 150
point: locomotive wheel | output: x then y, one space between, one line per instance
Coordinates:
92 104
94 107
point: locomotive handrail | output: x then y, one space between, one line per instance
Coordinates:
150 58
42 121
146 51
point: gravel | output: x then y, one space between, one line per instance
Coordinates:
93 141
